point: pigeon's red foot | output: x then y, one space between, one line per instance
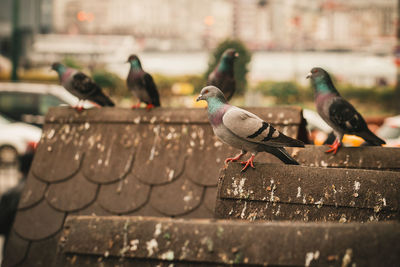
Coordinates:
236 158
334 147
248 163
150 106
136 106
79 108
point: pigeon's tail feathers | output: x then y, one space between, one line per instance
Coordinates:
371 138
288 141
282 154
103 100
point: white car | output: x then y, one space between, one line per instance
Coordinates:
29 102
16 139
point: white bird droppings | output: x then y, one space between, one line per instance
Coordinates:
151 246
311 256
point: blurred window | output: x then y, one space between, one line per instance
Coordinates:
47 101
15 104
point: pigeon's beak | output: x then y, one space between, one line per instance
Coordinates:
309 75
236 54
200 97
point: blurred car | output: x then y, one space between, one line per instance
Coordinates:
17 139
390 131
29 102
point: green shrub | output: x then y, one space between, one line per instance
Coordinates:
111 82
241 63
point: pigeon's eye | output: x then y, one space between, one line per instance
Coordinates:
314 71
206 92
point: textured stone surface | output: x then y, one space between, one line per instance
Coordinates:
227 242
367 157
114 161
288 192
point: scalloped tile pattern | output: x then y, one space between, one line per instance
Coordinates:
163 162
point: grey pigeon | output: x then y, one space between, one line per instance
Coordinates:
244 130
337 112
80 85
141 84
223 74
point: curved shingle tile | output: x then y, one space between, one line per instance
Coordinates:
110 152
210 197
163 160
177 198
33 192
59 194
123 196
38 222
206 155
15 251
43 252
201 212
146 210
93 209
59 143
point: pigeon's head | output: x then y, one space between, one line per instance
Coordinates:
57 66
211 92
230 54
134 61
321 80
317 73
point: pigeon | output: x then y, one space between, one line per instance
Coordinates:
337 112
244 130
141 84
81 85
223 76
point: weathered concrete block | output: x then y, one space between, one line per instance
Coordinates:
285 192
145 241
367 157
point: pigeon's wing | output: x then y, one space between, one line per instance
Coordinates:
84 84
250 127
345 116
151 89
90 90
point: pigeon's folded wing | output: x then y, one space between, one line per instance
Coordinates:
84 84
248 126
345 116
151 89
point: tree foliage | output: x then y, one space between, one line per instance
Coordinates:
241 63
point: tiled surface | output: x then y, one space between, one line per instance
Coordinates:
114 161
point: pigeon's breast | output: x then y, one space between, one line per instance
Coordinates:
216 117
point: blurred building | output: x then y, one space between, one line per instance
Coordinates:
155 24
261 24
35 16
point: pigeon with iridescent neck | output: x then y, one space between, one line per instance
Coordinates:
223 74
337 112
81 86
141 84
244 130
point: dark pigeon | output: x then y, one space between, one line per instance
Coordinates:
81 86
141 84
244 130
337 112
223 74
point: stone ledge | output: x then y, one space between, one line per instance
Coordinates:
367 157
149 239
275 115
287 192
